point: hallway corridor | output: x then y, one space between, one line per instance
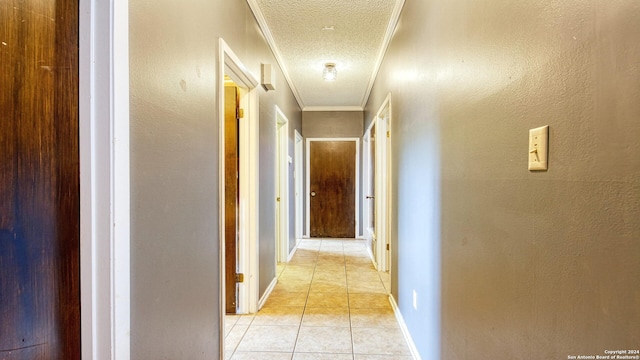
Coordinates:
329 303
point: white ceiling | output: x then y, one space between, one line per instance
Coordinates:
296 31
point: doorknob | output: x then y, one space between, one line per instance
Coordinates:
313 194
371 197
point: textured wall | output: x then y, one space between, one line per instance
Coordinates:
174 169
336 124
507 263
332 124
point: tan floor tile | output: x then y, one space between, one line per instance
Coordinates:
232 340
321 275
295 276
320 356
371 318
269 338
321 316
303 261
363 276
342 281
321 286
330 268
382 357
331 259
379 341
351 267
326 328
245 319
374 287
285 298
279 315
324 340
292 286
298 269
332 300
357 257
330 276
369 301
311 252
229 322
261 356
386 280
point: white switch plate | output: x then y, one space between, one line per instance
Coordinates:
538 146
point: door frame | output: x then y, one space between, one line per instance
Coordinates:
298 176
308 181
230 64
282 186
366 191
104 179
383 185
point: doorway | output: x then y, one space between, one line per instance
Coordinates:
332 185
382 206
243 203
232 181
369 173
282 187
298 179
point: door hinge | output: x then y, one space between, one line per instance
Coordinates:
387 247
388 133
278 199
240 113
239 277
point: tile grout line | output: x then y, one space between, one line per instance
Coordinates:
304 308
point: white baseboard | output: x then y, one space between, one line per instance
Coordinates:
267 293
405 330
293 251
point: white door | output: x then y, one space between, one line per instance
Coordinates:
298 178
369 203
282 187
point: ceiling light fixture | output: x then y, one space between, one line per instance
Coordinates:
329 73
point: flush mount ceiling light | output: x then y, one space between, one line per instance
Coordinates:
329 73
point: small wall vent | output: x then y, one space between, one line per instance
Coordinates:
268 77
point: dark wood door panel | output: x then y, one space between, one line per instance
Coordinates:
231 196
39 180
332 187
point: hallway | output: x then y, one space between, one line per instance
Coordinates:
329 303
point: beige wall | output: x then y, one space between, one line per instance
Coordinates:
174 169
332 124
504 263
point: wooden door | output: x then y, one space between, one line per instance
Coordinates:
39 180
332 174
231 196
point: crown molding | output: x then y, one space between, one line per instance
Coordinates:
262 23
391 28
333 108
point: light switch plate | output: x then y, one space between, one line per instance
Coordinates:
538 148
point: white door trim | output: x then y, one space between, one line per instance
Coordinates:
308 180
230 64
383 180
104 179
282 183
366 191
299 188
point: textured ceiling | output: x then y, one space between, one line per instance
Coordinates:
296 31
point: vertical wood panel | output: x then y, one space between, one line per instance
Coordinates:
332 178
231 195
39 221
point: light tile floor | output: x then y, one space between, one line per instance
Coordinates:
329 303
